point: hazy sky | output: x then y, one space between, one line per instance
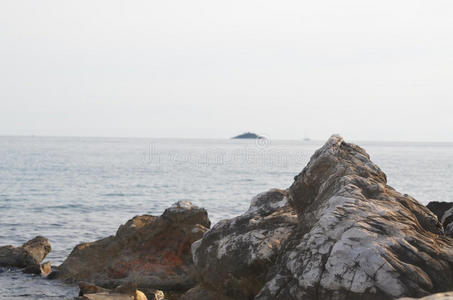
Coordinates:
375 70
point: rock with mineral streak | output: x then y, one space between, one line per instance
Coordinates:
358 238
235 255
29 256
151 251
438 296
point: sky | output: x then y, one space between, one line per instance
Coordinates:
368 70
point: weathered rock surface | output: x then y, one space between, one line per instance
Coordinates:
235 255
29 256
358 238
354 237
151 251
438 296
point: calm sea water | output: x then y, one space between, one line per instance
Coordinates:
75 190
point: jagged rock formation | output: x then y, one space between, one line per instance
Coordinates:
29 256
356 238
235 255
151 251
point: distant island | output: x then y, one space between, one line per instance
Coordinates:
248 135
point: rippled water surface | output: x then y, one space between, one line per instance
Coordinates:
75 190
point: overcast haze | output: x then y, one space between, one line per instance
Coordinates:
374 70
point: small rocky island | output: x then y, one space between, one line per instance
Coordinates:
248 135
339 232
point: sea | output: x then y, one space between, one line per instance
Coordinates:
80 189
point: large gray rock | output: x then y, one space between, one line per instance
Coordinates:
29 256
355 238
151 251
235 255
358 238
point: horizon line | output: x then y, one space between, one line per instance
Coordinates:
223 138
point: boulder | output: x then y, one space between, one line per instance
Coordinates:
339 232
29 256
151 251
358 238
235 255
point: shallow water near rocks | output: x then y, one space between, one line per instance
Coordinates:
75 190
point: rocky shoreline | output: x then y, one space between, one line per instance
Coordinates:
338 232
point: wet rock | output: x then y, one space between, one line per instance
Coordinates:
358 238
439 296
152 251
29 256
439 208
444 212
235 255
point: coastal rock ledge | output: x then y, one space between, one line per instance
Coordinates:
339 232
149 251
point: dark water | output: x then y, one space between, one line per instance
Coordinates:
75 190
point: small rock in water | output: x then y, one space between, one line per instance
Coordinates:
29 256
